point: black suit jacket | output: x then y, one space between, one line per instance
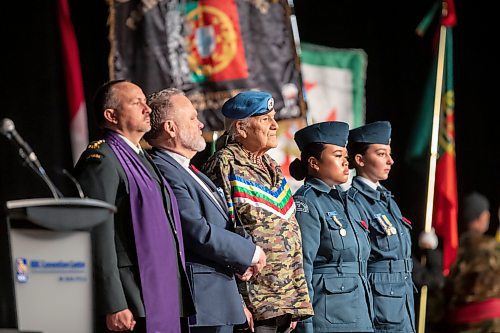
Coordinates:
213 251
116 271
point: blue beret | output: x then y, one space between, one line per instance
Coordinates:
247 104
331 132
377 132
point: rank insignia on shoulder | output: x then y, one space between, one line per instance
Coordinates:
96 144
301 206
94 157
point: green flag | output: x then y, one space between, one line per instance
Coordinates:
334 81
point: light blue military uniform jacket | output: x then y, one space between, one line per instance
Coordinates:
336 250
390 263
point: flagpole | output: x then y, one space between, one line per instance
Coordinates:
435 130
296 39
433 162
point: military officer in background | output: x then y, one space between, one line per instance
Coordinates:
138 254
335 239
472 289
390 264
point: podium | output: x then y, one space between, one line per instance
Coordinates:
46 260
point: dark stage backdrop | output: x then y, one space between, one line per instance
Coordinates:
33 92
398 63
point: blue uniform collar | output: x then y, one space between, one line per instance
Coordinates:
365 189
321 186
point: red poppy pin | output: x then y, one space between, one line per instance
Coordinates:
364 224
406 220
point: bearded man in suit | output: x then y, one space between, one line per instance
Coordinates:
214 253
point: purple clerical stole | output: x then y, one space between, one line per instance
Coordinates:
155 240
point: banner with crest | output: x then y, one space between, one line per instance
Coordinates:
211 49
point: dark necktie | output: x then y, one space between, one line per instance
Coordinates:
147 164
384 194
144 159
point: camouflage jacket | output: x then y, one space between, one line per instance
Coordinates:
261 202
474 278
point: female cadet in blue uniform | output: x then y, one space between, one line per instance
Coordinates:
390 263
334 238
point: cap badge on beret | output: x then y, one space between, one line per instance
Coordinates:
248 104
270 104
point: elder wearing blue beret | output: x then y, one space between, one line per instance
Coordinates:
390 264
261 206
334 237
248 104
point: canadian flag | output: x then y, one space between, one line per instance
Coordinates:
74 83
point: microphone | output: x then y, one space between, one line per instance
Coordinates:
9 130
75 182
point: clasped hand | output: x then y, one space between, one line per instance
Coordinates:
255 268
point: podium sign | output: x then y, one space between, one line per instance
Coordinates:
52 280
50 256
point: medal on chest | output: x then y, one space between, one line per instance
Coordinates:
386 224
333 216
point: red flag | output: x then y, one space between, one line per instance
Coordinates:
445 191
449 16
445 204
215 42
74 83
445 212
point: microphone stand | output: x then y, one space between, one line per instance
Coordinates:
40 171
75 182
8 129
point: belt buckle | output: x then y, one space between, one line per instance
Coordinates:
362 268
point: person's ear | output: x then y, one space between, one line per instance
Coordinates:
313 163
358 158
241 129
170 128
110 116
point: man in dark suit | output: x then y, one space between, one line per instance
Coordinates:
139 273
214 253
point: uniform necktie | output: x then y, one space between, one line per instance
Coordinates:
384 195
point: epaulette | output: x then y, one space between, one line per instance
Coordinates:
95 144
94 157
